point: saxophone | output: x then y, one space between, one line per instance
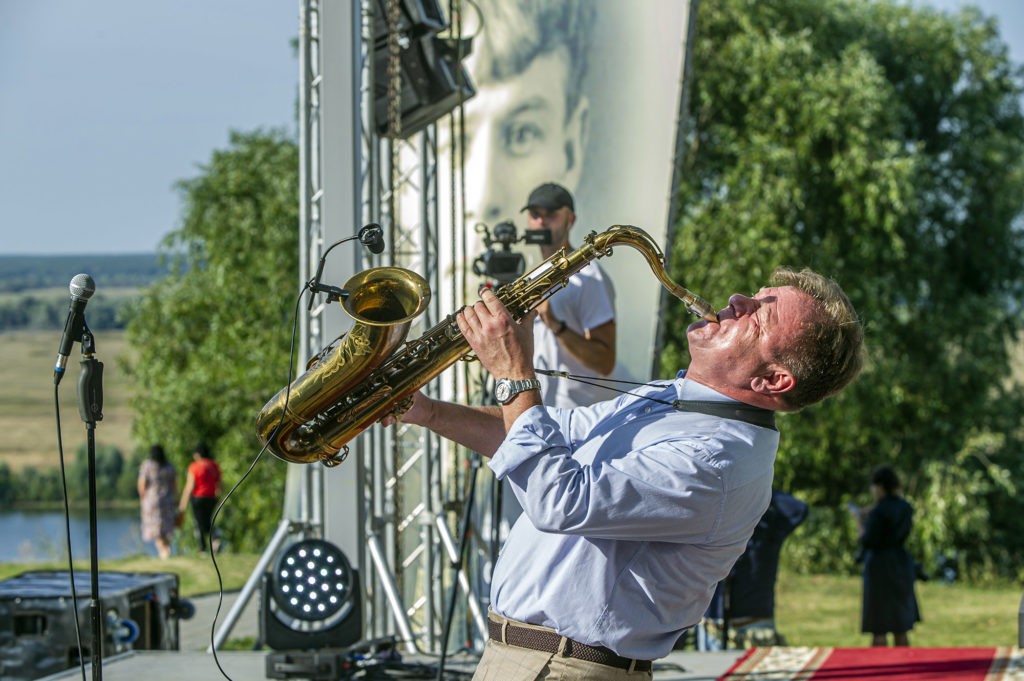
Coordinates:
361 377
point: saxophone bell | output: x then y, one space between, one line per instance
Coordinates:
383 302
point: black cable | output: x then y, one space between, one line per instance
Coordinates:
598 382
256 459
459 558
67 530
314 287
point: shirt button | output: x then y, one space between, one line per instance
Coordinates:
647 410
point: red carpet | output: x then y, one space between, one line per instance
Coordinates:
878 664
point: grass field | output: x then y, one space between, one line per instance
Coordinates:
196 574
27 414
825 611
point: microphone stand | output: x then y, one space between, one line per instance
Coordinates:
90 408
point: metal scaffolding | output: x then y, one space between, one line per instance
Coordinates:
395 521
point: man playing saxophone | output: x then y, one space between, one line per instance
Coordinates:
634 509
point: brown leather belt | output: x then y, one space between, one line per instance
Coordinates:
548 642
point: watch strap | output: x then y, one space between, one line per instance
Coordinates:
519 385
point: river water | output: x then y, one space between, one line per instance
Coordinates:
35 536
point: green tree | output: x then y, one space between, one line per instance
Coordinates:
110 466
211 340
880 144
8 487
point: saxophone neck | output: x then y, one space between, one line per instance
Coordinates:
642 241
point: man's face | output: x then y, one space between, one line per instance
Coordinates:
559 221
517 136
750 332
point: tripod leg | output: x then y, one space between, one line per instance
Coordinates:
391 591
474 603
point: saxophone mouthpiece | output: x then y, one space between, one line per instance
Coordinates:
700 307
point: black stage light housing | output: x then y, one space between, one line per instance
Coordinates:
311 599
433 79
415 18
433 83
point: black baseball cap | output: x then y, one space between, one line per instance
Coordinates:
550 196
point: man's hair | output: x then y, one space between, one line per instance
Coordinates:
829 352
886 478
515 32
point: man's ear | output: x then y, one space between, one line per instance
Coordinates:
575 143
773 381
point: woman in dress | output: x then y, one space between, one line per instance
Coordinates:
889 604
158 494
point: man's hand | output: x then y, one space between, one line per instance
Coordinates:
418 413
504 347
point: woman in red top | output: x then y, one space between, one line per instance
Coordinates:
202 488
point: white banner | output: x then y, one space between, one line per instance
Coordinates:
585 94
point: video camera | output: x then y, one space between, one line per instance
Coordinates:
505 265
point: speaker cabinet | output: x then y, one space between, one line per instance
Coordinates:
37 618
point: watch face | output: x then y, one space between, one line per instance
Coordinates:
503 390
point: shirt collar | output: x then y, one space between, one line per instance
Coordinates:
692 390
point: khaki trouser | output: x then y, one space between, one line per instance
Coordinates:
503 662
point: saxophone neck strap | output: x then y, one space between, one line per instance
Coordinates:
737 411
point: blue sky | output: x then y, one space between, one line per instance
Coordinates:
105 104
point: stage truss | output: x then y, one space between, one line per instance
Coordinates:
410 483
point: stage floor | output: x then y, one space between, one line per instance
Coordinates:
193 663
246 666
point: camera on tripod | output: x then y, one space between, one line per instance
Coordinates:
505 265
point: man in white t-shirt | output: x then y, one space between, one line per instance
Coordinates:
574 331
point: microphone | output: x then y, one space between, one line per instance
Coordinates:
82 287
372 236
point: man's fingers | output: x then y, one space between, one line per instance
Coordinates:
492 302
468 320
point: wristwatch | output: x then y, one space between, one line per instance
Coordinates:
507 388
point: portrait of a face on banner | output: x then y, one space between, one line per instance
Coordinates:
583 93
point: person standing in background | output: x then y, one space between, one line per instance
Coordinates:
889 604
158 489
574 331
202 489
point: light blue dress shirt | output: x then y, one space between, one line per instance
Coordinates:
633 512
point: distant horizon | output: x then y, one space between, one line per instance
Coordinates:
86 254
